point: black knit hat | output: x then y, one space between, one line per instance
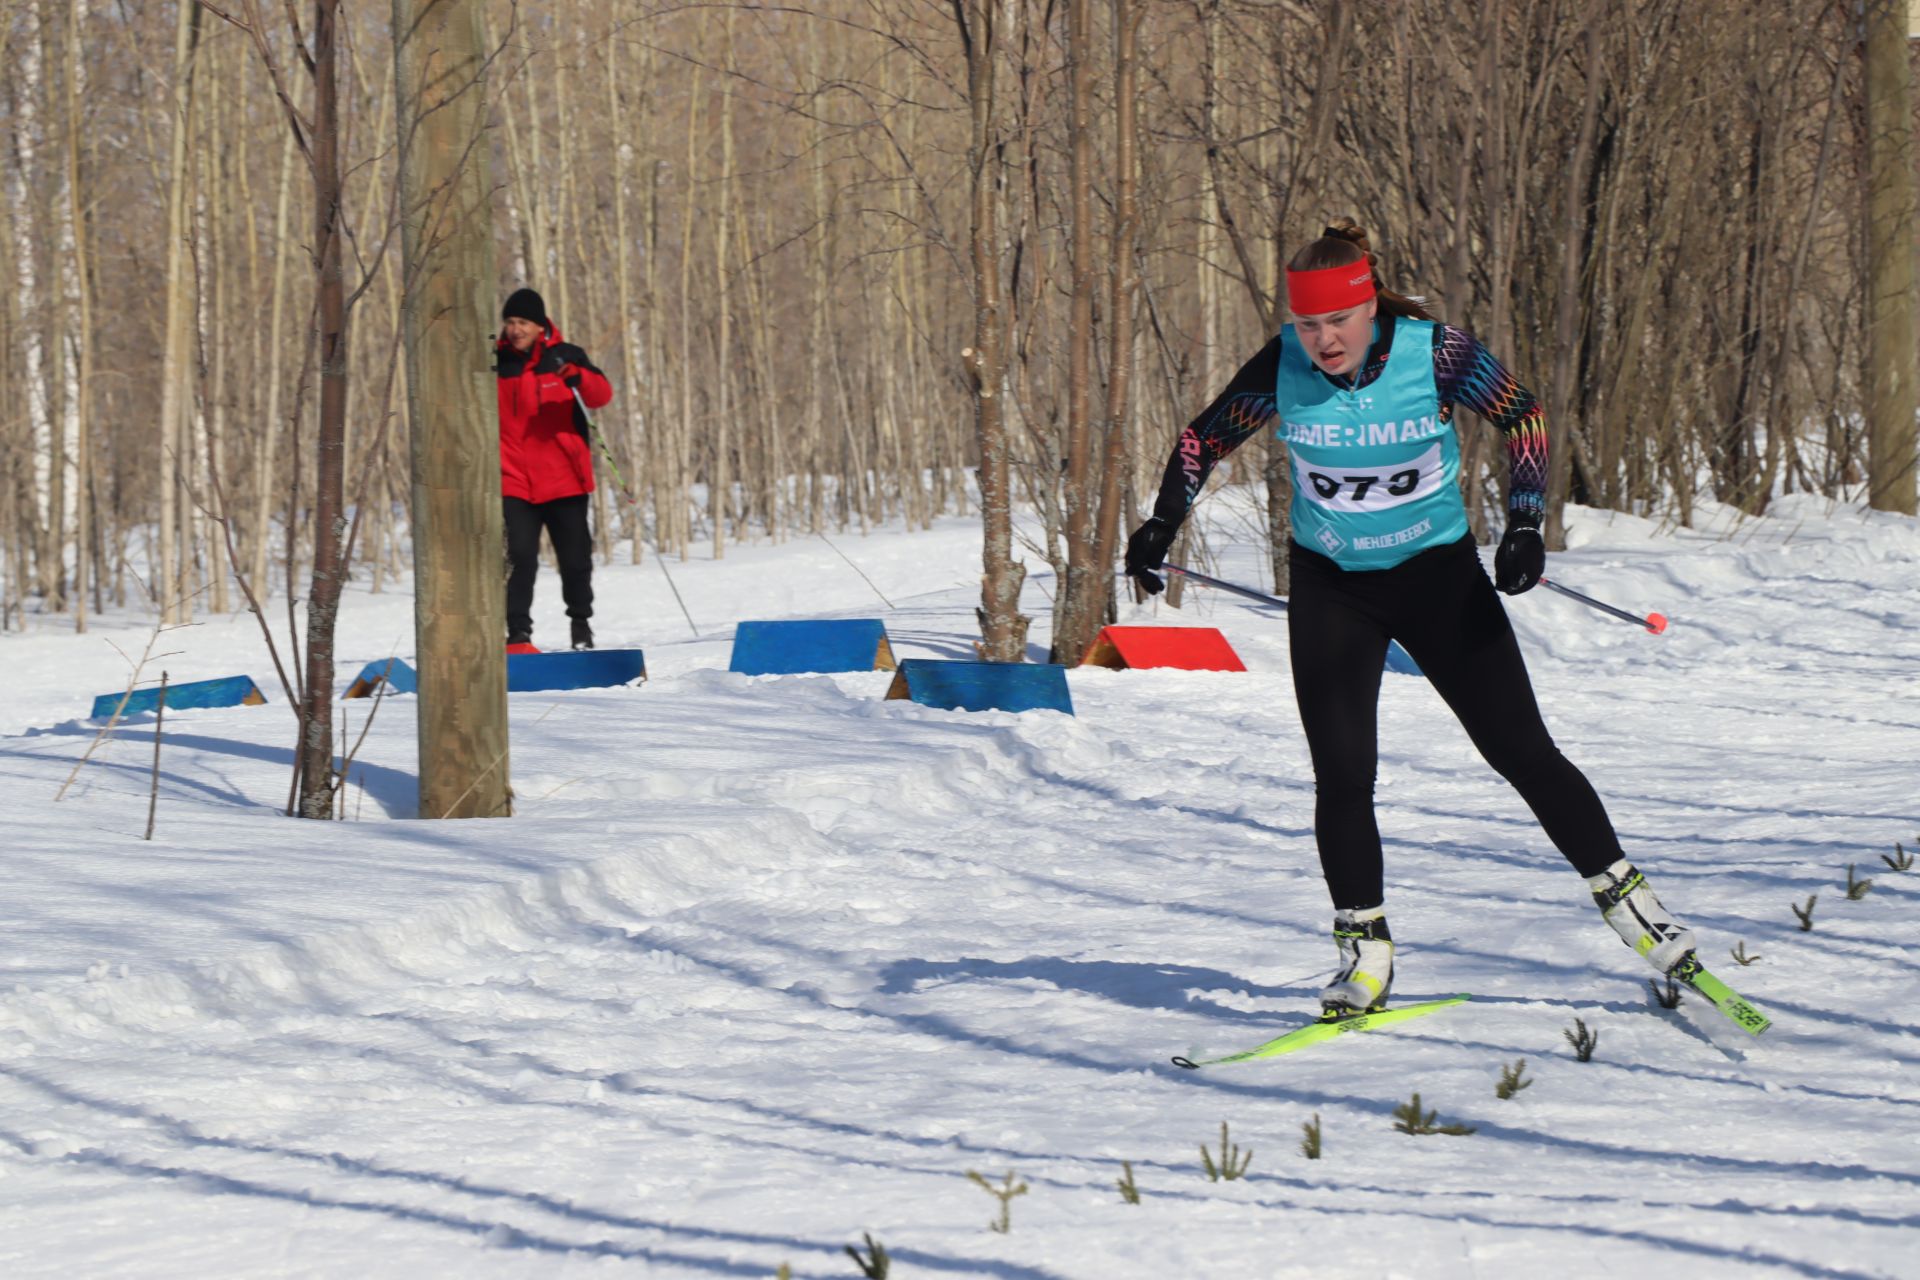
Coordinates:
525 304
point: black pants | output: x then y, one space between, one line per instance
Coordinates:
565 520
1444 611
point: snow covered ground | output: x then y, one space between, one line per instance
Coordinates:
766 964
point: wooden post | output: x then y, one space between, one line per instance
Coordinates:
1892 396
1003 628
458 543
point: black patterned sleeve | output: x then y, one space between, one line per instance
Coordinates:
1235 415
1467 373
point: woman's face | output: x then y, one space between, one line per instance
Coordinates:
1337 341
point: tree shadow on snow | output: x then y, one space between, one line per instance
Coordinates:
396 791
496 1234
941 643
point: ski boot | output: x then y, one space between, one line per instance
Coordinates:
1623 897
1627 903
1366 964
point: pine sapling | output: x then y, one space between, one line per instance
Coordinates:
1232 1164
1665 993
1856 887
1584 1041
1004 1193
1512 1080
1129 1189
874 1265
1739 953
1408 1118
1310 1142
1805 913
1900 859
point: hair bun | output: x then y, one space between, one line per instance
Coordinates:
1349 230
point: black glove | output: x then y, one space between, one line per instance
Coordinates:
1521 560
1147 551
566 360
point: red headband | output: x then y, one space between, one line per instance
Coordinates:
1315 293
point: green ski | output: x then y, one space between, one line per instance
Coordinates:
1723 997
1326 1029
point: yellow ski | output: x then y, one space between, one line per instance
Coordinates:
1326 1029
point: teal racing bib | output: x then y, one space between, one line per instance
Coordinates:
1376 470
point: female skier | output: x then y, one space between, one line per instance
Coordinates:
1361 387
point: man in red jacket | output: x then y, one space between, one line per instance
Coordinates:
546 462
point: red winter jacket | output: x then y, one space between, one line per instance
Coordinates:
544 454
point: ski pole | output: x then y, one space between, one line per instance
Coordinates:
1248 592
1398 659
1654 622
633 505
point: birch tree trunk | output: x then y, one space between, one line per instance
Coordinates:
173 373
269 424
683 446
82 268
623 302
27 199
214 272
58 396
719 432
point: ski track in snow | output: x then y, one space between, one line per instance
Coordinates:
764 964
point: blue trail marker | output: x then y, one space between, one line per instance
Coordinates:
574 669
793 648
399 676
526 672
227 691
983 686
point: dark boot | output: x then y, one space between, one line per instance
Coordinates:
582 634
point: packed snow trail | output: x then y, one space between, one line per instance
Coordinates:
766 964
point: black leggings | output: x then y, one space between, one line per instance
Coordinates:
1444 611
565 520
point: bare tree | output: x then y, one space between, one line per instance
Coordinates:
1122 282
318 134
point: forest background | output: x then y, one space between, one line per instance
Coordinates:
852 262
